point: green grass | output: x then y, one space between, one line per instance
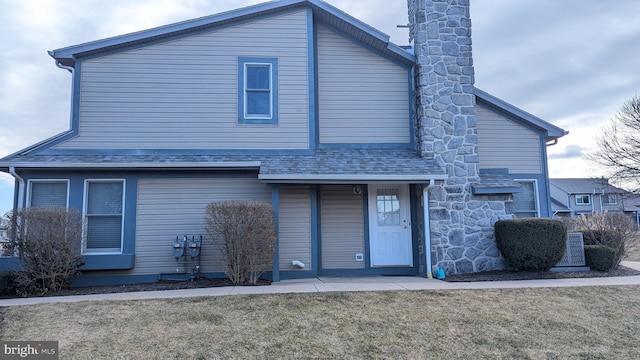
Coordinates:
563 323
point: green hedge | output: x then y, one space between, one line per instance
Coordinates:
532 244
600 257
610 238
7 283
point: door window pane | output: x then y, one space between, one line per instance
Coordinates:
388 205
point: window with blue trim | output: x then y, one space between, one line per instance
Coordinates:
525 203
257 90
48 193
104 213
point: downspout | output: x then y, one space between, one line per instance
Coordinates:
12 171
68 68
427 227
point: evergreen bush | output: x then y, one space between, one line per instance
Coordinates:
531 244
600 257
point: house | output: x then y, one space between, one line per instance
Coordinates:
573 197
378 159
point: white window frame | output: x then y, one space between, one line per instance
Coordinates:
31 181
243 93
581 197
608 197
85 229
536 194
246 91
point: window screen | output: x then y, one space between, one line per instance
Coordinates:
104 210
48 194
525 202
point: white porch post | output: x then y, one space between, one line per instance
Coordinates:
427 228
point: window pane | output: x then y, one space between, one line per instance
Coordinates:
258 103
104 215
45 194
104 232
104 198
258 77
583 199
524 203
388 206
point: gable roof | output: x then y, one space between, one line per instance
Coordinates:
566 187
552 132
586 186
321 11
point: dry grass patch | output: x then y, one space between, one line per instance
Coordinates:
567 323
633 253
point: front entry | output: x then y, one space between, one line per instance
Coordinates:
390 226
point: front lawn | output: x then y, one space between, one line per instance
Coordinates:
542 323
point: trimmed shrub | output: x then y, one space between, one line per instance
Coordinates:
7 284
613 229
47 240
532 244
615 240
599 257
245 233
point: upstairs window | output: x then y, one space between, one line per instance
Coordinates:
609 199
103 211
257 91
583 199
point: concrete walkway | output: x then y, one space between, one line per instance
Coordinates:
327 284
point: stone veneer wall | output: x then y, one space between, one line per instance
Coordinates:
462 233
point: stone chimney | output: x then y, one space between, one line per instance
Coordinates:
462 235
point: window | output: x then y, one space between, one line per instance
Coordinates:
48 193
257 91
388 204
525 203
583 199
609 199
103 212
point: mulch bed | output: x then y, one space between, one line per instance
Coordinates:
160 285
206 283
529 275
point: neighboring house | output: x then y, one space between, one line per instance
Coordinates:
5 249
377 159
572 197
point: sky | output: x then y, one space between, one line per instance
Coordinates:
572 63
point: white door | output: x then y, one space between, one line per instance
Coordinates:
390 225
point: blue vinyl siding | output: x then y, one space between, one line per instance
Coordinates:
182 94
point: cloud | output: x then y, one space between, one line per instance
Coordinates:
569 152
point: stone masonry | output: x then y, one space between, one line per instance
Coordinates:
462 233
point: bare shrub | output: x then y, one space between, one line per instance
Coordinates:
244 231
47 240
615 230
